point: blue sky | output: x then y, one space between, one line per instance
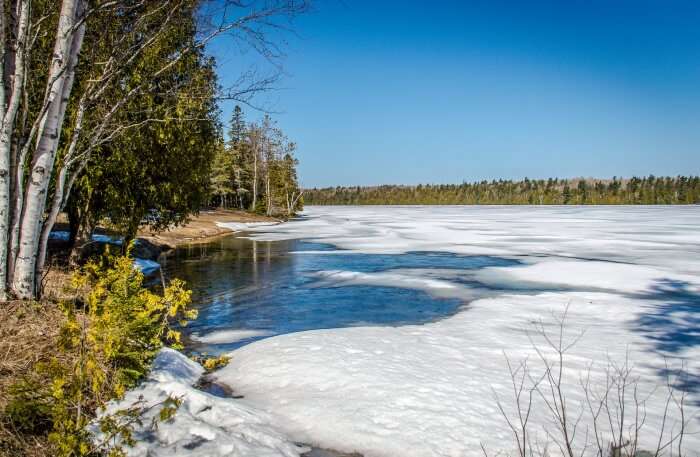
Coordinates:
408 92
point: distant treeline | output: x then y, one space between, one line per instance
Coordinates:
650 190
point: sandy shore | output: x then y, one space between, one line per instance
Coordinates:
201 228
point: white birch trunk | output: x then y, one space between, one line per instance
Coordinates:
255 175
62 190
7 124
18 191
3 42
238 189
293 203
296 200
60 80
268 210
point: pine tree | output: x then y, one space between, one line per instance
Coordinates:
237 130
257 168
222 181
242 167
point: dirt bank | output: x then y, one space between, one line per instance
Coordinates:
202 228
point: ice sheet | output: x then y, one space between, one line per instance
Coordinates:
228 336
431 390
243 226
651 235
628 276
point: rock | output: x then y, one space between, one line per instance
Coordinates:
145 249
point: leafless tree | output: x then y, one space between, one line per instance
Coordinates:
611 419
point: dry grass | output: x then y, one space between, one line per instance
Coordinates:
29 331
56 285
28 334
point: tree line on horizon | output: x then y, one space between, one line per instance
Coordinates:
649 190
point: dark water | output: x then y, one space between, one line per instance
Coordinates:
254 285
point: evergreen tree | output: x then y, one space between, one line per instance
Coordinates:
222 177
257 169
647 190
237 129
159 174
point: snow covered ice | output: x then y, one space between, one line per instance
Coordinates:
228 336
244 226
629 277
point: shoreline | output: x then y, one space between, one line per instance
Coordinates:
202 228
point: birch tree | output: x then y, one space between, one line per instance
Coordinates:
256 137
39 164
290 183
13 62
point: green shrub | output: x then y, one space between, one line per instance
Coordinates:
105 347
212 363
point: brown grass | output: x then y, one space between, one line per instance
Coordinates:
28 334
56 284
29 330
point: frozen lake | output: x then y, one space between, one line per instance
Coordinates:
247 289
411 312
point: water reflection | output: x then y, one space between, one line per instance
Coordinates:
260 285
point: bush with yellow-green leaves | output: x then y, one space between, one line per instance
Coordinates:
106 345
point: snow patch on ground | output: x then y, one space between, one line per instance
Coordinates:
100 238
60 235
64 235
146 266
204 425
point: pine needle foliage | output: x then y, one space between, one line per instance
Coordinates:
106 345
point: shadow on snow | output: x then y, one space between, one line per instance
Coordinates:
673 325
